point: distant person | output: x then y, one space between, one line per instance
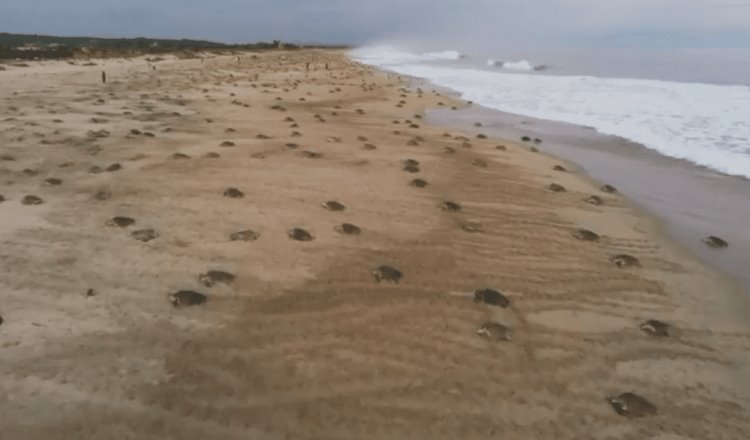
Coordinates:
104 77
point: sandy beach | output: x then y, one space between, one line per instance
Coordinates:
115 196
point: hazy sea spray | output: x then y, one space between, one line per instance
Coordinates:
703 123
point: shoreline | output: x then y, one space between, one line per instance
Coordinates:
683 196
306 340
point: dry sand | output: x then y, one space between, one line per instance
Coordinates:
305 343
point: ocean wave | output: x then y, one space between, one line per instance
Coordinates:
706 124
521 65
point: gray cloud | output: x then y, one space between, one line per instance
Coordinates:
501 22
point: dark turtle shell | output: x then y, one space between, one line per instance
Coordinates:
120 222
655 327
145 235
595 200
213 277
32 200
450 206
245 235
625 260
348 228
609 189
387 273
418 183
585 235
233 193
187 298
556 187
300 234
632 405
333 205
715 242
491 297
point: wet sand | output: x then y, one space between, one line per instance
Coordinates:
305 342
693 202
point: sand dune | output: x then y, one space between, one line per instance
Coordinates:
302 341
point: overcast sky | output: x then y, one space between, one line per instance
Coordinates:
686 23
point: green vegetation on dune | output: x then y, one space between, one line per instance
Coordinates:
23 46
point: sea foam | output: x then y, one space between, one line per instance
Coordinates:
703 123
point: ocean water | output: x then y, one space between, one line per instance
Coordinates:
707 124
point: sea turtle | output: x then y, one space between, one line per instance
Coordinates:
233 193
559 168
95 170
312 154
608 189
145 235
186 298
102 195
245 235
369 147
481 136
537 141
300 234
348 228
556 187
501 147
526 139
333 205
585 235
410 167
491 297
362 138
180 156
715 242
213 277
32 200
120 222
595 200
2 198
494 331
625 260
448 150
472 227
113 167
212 155
450 206
418 183
655 327
632 405
227 144
53 181
481 163
387 273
